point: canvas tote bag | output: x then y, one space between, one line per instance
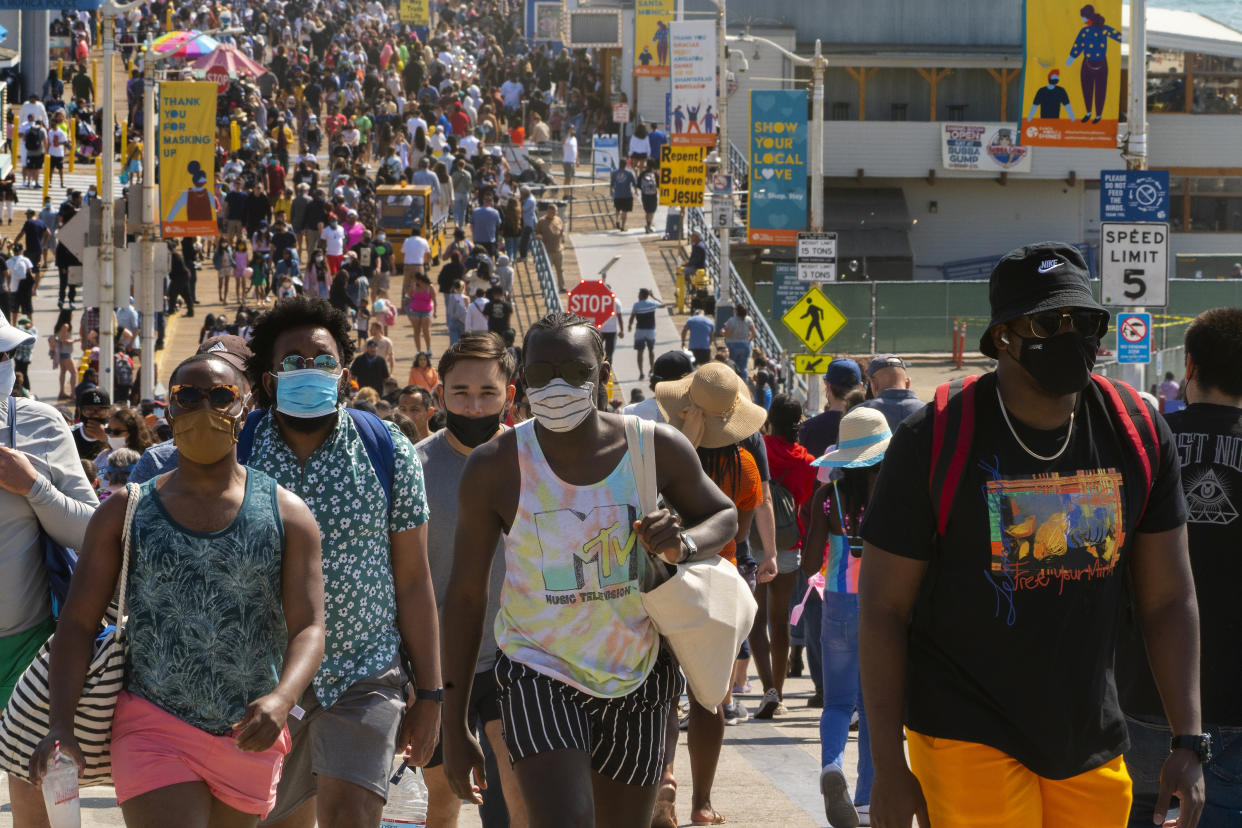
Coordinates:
704 608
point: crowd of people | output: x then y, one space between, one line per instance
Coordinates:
329 567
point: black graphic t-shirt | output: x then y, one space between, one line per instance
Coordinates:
1209 448
1014 628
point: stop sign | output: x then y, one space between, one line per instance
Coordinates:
594 300
220 76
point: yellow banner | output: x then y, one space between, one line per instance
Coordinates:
682 176
415 12
1072 80
187 158
651 19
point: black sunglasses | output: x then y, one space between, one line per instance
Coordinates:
1087 322
191 396
575 372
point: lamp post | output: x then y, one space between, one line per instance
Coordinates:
818 64
149 294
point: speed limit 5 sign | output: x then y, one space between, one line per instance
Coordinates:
1134 264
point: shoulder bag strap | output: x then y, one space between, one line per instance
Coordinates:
133 493
377 441
245 440
953 415
12 422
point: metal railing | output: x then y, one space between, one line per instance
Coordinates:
547 278
739 167
738 294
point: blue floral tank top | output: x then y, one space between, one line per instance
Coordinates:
206 625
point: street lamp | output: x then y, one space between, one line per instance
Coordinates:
148 293
818 64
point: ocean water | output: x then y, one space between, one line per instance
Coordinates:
1228 12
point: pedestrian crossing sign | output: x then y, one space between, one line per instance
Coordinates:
814 319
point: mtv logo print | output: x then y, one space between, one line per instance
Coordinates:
606 550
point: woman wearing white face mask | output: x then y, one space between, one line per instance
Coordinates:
125 430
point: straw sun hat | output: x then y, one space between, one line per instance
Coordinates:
864 438
711 406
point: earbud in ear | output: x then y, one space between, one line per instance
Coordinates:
1004 339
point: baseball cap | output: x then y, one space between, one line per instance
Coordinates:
672 365
94 396
229 347
881 361
843 372
1037 277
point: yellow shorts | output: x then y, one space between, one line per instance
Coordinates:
969 785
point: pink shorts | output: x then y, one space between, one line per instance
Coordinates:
153 749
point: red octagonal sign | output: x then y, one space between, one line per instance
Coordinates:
594 300
220 76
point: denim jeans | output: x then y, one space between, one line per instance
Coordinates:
1149 747
461 205
842 693
739 352
456 330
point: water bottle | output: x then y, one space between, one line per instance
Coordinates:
60 792
407 798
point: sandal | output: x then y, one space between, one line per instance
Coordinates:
718 819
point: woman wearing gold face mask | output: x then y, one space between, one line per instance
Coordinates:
224 574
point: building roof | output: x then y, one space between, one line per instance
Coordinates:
1185 30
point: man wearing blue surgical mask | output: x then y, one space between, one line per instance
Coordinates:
364 484
573 636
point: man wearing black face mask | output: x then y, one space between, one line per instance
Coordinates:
475 392
1007 520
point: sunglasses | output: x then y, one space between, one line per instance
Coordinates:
117 432
323 362
1087 322
575 372
219 397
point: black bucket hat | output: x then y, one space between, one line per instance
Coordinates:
1035 278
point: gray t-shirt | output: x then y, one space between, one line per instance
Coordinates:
442 469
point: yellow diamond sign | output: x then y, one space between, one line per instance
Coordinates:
814 319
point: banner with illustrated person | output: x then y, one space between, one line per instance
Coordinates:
187 148
693 104
1072 81
651 37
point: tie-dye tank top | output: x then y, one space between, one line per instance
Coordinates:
840 564
570 607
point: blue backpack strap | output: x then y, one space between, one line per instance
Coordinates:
245 440
377 440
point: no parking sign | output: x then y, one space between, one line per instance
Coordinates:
1134 338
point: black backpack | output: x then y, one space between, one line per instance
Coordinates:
785 510
34 139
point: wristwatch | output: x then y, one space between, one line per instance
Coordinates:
1198 743
436 695
692 548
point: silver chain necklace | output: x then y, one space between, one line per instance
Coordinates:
1068 433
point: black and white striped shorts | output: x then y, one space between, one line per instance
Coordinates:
624 736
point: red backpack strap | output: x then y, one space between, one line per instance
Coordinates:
953 422
1134 418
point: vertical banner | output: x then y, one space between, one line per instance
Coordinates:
415 12
1071 89
651 36
694 83
777 205
187 148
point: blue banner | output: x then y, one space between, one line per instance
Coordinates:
778 146
50 5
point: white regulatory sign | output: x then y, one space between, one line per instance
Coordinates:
1134 264
816 271
722 212
817 246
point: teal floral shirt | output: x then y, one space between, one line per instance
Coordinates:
351 508
206 625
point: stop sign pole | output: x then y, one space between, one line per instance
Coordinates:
594 300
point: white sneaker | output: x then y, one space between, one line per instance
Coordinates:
836 792
864 814
767 707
